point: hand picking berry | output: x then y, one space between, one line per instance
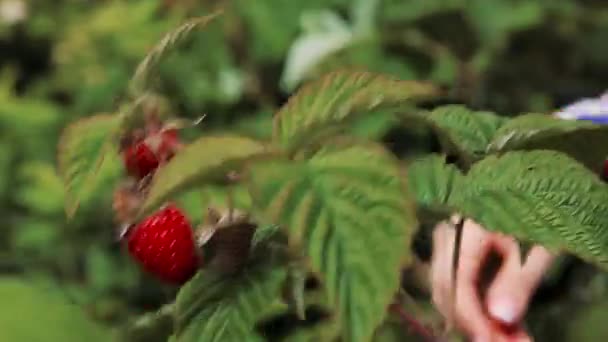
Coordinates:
164 246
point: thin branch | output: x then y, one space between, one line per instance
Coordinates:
413 324
455 261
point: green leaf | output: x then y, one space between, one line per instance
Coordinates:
150 327
31 313
461 131
432 182
211 307
582 140
142 75
335 97
541 196
347 209
204 161
82 149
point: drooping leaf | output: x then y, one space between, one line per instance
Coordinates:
582 140
82 149
461 131
432 182
212 307
347 209
541 196
205 160
144 70
33 313
335 97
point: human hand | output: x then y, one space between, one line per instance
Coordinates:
494 315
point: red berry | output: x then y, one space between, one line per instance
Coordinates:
140 160
145 155
605 171
164 245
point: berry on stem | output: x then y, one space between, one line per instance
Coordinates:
164 245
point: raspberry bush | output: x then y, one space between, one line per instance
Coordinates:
318 221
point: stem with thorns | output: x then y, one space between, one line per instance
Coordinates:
455 261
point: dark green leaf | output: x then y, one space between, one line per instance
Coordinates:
582 140
461 131
82 149
541 196
212 307
335 97
206 160
432 182
30 313
348 210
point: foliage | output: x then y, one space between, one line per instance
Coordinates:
68 62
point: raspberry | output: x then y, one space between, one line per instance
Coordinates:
143 157
164 246
140 160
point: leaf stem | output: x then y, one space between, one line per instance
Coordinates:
412 323
455 260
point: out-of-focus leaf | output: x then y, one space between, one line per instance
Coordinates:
141 78
82 149
55 319
204 161
325 33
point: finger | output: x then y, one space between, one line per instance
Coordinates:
536 265
469 311
443 235
508 297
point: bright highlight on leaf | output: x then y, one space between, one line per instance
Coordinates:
540 196
82 149
215 308
205 160
336 97
348 209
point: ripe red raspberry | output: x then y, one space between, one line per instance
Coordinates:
164 245
605 171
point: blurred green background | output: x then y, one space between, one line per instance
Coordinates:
66 59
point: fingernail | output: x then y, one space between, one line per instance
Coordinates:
503 311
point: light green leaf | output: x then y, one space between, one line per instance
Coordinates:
432 182
326 32
335 97
348 210
582 140
30 313
204 161
82 149
142 75
211 307
541 196
461 131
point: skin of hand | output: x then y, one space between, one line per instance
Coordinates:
495 315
